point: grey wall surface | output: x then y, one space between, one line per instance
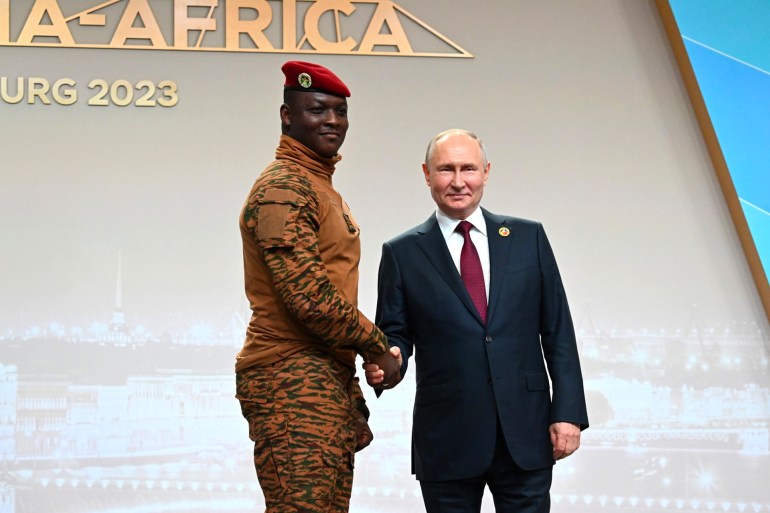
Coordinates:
589 131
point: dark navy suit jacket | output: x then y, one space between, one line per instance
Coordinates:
469 374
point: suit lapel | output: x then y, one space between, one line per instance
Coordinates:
500 242
434 246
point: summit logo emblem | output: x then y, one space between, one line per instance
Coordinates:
361 27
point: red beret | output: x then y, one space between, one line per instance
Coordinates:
306 76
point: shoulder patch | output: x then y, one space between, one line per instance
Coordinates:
278 211
282 196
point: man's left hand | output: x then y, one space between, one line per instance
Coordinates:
565 438
364 435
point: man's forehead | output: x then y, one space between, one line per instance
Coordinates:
320 98
464 147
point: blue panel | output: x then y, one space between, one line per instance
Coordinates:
728 44
737 98
736 27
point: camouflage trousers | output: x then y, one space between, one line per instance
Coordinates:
302 421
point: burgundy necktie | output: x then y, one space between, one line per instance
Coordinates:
470 270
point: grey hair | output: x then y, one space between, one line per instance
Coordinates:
455 131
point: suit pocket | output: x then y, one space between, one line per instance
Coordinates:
537 381
433 394
517 268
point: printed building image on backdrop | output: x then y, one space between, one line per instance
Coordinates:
115 417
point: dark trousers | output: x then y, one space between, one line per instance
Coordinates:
514 490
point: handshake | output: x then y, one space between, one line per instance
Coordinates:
384 370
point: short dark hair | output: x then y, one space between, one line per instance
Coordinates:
289 95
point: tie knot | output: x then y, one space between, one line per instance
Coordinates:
464 227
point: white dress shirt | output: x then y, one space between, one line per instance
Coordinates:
454 240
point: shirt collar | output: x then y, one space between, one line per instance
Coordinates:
448 225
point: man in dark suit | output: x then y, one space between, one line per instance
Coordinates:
478 298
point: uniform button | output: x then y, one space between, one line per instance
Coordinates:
489 382
488 340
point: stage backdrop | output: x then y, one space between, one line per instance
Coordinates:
722 50
130 136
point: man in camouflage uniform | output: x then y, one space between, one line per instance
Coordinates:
295 373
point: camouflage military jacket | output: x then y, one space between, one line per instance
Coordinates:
301 250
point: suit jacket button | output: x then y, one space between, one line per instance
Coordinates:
489 382
488 340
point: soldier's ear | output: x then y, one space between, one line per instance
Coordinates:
285 113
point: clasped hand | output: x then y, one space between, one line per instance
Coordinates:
565 438
384 370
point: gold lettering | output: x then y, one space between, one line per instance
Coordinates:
145 100
385 14
70 95
149 29
100 97
312 30
4 90
184 24
38 87
234 26
170 92
35 27
289 25
315 27
121 99
92 20
5 21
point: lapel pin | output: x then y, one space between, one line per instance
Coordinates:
504 232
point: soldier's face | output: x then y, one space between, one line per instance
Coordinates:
317 120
